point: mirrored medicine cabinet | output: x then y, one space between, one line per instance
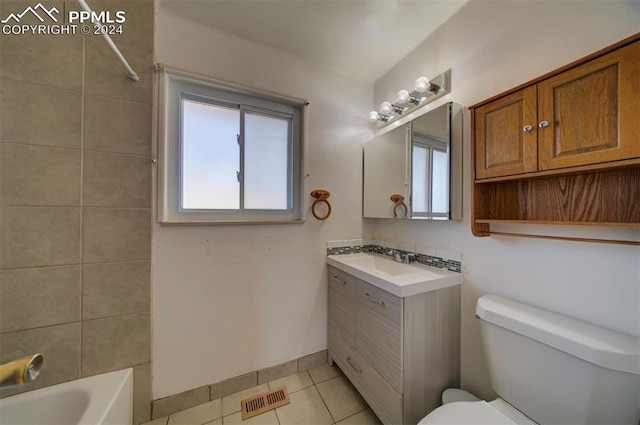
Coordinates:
415 170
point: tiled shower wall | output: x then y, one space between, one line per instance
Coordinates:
75 200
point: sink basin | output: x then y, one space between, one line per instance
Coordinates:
400 279
384 265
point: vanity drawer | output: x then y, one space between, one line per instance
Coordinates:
342 308
383 399
379 332
380 396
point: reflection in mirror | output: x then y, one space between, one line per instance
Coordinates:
385 173
436 164
430 165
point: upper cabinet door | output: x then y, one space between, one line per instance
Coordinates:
591 114
505 135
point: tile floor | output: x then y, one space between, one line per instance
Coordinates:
319 396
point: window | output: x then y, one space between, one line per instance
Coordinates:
227 154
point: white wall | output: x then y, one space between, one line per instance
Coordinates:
232 299
492 46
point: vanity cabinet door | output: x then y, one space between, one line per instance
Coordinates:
379 332
342 307
591 114
505 135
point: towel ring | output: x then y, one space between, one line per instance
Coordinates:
321 196
399 201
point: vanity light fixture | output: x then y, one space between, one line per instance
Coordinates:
425 91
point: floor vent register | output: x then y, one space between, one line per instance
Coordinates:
264 402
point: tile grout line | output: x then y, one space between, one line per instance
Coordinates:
82 111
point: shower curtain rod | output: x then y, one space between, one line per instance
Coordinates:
130 71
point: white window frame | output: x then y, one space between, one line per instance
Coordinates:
174 85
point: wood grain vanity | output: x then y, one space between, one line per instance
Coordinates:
399 352
563 148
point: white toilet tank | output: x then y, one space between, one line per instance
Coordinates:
559 370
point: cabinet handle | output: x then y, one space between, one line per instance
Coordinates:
527 129
344 282
356 368
373 300
543 124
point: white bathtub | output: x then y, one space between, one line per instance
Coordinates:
105 399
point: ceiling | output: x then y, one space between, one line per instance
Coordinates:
359 38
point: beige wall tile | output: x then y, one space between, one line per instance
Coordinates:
39 115
105 76
115 288
142 393
115 234
39 175
39 236
137 30
115 342
113 125
234 385
185 400
115 180
51 60
312 360
37 297
60 346
278 371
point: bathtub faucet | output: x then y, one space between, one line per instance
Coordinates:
21 371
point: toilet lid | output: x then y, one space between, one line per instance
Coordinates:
466 413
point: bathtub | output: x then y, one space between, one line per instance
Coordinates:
105 399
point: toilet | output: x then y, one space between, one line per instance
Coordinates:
548 369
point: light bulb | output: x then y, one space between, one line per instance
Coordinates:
386 108
374 116
403 97
422 84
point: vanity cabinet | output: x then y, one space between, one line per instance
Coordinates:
399 352
564 148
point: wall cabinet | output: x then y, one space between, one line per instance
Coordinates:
564 148
400 353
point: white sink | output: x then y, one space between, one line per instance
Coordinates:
400 279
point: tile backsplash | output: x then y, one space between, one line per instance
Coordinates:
429 256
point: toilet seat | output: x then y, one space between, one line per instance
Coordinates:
474 413
466 413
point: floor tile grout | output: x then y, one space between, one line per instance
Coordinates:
313 384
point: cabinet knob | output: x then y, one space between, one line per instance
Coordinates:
527 129
543 124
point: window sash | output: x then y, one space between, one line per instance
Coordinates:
173 87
